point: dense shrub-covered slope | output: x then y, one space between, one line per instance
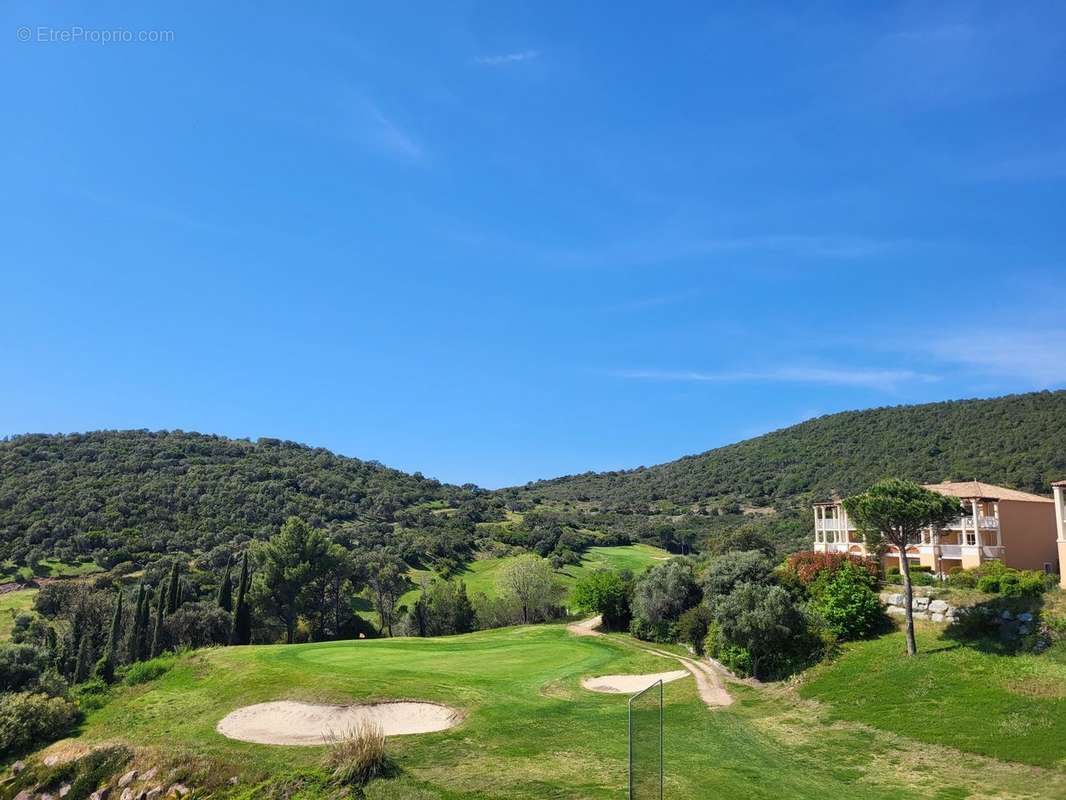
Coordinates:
129 495
1017 441
144 491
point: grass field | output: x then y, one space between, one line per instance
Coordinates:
530 731
480 576
1007 707
47 568
12 604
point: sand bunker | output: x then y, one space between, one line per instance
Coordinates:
628 684
286 722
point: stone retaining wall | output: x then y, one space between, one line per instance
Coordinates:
924 608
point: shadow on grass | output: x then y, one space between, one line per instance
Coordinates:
1001 626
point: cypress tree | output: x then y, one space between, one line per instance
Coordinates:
133 645
174 594
465 619
157 636
225 589
242 616
143 642
81 666
116 631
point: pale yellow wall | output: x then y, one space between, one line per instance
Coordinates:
1062 564
1028 534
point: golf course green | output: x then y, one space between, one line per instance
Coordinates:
528 729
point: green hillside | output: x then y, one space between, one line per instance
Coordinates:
1016 441
69 501
127 494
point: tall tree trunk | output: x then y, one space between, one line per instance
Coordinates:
908 595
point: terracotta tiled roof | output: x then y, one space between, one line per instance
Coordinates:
984 491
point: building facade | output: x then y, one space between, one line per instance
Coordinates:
1017 528
1059 488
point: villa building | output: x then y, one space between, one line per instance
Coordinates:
1015 527
1059 487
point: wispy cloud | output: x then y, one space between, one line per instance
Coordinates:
389 135
674 246
1038 357
880 379
365 122
507 58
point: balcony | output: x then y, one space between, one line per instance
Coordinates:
829 524
967 524
985 550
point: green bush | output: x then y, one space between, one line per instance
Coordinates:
660 597
726 572
763 622
29 720
604 592
959 578
847 604
995 577
91 694
920 576
662 632
144 671
21 666
692 627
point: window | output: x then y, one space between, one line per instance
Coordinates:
1049 567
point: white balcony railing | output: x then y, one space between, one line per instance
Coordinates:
966 523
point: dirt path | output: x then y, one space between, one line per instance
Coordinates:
708 676
586 627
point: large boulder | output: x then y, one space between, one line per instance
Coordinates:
127 779
938 607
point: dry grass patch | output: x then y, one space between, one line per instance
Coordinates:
357 755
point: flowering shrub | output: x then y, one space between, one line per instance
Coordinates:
806 566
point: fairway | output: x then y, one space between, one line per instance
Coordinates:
529 730
481 575
11 605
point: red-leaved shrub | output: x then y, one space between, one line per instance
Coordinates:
808 565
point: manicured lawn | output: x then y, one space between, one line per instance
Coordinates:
11 605
1011 708
530 731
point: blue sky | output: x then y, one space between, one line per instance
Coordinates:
495 242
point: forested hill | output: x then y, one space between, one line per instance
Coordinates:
129 492
1017 441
